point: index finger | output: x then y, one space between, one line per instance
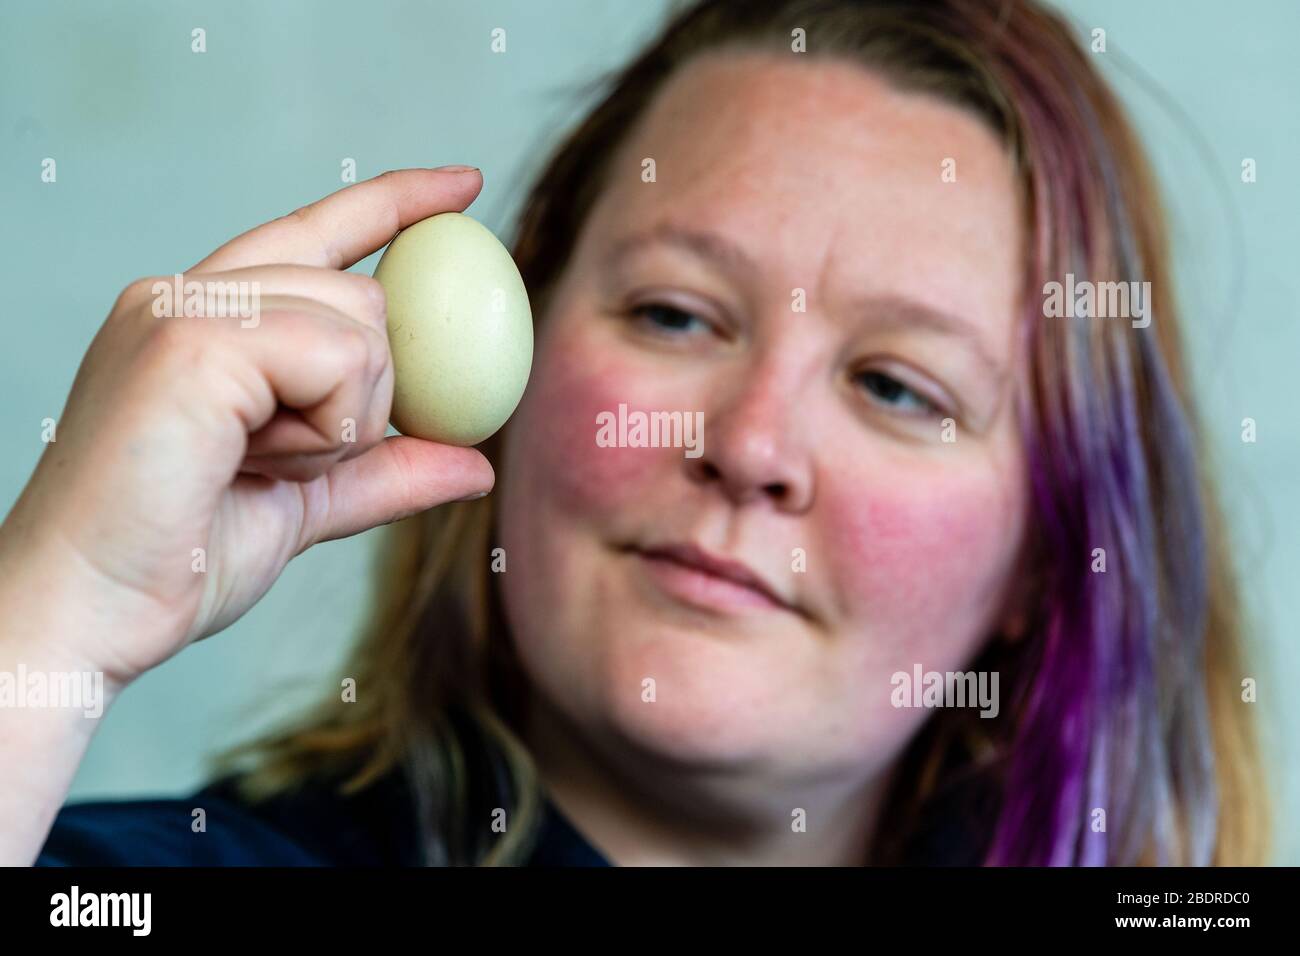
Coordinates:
348 225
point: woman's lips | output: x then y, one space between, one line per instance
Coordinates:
717 584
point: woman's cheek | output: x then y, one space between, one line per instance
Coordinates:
918 560
576 390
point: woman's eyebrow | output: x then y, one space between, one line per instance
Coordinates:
900 313
885 311
711 246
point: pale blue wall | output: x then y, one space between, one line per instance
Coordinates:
163 154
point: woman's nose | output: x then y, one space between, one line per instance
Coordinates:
757 446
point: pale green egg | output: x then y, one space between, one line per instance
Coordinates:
459 327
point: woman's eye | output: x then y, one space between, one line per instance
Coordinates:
889 391
667 318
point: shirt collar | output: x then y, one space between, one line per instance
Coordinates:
560 844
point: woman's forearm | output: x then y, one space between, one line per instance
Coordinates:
50 704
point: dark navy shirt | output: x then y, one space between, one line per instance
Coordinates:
314 827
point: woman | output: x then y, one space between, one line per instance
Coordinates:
828 229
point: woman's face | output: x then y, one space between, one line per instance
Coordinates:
800 274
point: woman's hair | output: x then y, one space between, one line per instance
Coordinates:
1126 741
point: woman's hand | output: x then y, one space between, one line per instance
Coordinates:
197 455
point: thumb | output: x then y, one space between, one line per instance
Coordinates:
397 478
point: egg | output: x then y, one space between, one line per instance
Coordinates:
460 330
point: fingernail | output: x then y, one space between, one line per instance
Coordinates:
473 497
454 169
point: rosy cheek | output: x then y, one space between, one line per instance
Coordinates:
917 560
558 425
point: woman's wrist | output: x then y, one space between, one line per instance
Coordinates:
51 703
48 613
48 715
